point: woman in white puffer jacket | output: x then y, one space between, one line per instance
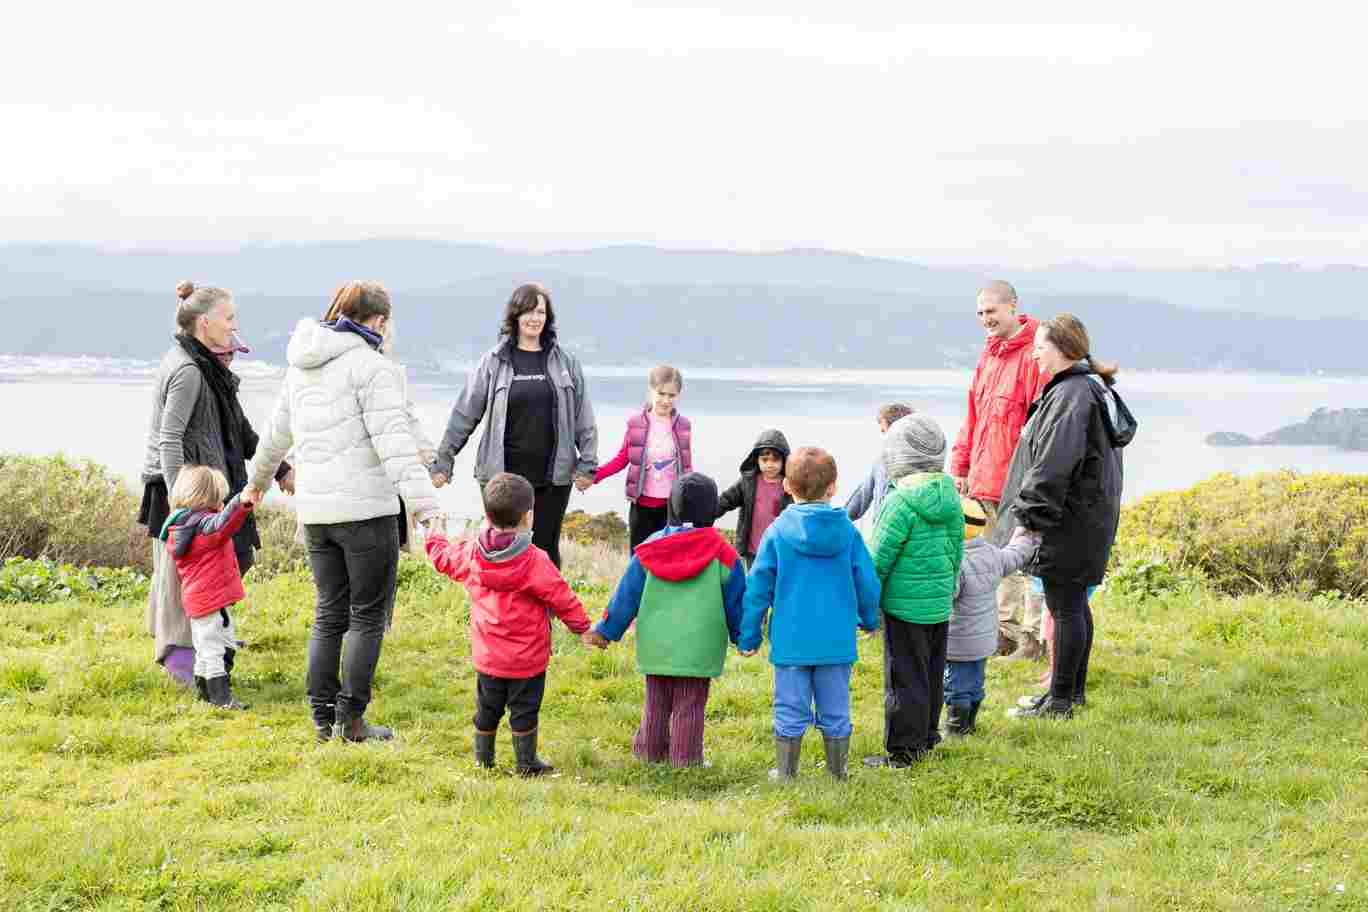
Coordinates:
343 412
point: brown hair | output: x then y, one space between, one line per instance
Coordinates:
893 411
507 498
195 303
199 488
810 472
663 374
358 302
525 298
1068 334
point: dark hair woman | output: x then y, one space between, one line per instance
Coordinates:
196 420
1064 483
343 408
540 421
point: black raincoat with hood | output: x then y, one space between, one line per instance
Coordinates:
742 494
1065 477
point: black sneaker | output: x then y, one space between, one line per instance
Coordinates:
1049 708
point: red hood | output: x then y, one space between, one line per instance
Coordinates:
998 346
501 575
683 555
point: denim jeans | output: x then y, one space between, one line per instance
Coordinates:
355 567
964 682
798 687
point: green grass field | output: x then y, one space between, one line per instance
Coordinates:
1222 764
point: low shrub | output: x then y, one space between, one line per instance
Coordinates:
69 511
42 580
586 529
1272 532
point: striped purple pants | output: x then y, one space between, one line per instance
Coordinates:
672 721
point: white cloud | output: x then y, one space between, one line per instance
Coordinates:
1195 134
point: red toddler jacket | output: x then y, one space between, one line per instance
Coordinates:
201 543
510 590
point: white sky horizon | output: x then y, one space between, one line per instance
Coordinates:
1205 135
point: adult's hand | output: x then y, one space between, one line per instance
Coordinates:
583 483
961 484
439 480
287 484
427 457
747 653
250 496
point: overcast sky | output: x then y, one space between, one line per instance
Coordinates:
1173 140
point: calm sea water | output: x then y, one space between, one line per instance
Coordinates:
100 410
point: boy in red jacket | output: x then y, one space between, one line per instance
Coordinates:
199 536
511 584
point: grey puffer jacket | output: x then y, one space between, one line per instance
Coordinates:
485 396
973 632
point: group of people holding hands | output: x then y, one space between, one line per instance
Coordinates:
1033 481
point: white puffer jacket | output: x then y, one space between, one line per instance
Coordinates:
343 411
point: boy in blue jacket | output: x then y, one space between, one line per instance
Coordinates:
813 568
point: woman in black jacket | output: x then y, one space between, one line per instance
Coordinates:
1064 483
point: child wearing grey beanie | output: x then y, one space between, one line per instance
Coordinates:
914 444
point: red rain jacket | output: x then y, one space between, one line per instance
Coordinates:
201 544
1005 384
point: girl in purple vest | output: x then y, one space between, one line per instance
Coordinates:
655 451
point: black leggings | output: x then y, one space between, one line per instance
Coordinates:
548 514
642 523
1068 605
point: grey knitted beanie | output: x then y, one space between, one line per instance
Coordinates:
914 443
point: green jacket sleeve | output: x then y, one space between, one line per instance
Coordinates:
895 525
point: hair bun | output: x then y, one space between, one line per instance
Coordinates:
184 289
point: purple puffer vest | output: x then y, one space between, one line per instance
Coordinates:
638 429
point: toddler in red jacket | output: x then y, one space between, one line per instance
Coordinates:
511 584
199 536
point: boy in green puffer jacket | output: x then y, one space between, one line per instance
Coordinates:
918 546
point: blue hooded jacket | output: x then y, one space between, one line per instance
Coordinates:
814 570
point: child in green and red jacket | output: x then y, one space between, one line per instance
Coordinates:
684 587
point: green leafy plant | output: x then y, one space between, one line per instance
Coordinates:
24 580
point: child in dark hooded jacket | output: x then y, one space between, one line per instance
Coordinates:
759 492
511 583
685 587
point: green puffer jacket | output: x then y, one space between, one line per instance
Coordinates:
918 545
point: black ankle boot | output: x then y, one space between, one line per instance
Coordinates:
358 729
786 754
220 694
973 716
324 719
837 756
484 749
957 719
1049 708
525 750
200 690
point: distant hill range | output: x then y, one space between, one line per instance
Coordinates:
709 308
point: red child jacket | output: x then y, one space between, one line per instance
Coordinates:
201 544
510 636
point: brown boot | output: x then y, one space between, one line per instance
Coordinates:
1028 648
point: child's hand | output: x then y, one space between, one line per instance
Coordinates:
583 483
746 653
250 497
593 638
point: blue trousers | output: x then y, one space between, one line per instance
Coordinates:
798 688
964 682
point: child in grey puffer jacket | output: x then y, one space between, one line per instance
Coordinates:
973 636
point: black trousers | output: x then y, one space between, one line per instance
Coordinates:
643 522
355 569
914 685
1068 605
548 515
522 697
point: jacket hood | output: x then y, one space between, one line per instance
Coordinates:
313 345
817 529
498 548
933 496
502 573
1116 417
770 439
682 552
1026 336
